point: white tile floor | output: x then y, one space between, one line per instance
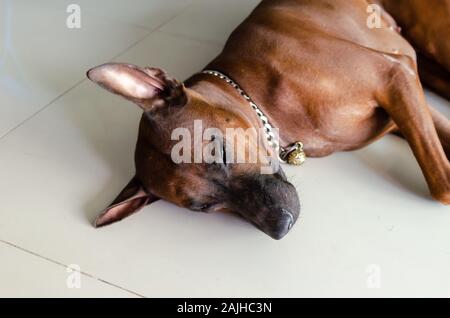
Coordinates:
60 163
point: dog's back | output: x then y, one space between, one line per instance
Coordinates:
291 24
302 57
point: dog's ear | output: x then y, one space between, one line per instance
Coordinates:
132 198
148 87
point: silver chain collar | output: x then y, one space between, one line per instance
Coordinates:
292 154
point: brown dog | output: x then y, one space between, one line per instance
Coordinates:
426 24
319 74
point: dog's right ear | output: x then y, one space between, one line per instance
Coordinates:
132 198
148 87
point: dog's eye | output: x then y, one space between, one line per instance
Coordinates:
224 153
224 156
205 207
202 207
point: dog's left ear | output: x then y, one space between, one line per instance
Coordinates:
132 198
147 87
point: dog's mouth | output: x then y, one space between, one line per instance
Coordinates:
274 219
278 226
269 202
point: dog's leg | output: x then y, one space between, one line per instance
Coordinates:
406 104
434 76
442 125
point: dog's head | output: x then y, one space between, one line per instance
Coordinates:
196 154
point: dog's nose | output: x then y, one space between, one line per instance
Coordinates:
283 225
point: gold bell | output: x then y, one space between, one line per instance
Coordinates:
297 156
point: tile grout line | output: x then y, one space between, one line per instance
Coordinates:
191 38
157 28
68 90
172 17
42 108
66 266
84 79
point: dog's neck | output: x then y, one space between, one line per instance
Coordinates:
218 92
241 104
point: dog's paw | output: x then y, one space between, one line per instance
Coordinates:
443 197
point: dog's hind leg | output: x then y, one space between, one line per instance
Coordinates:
404 101
434 76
